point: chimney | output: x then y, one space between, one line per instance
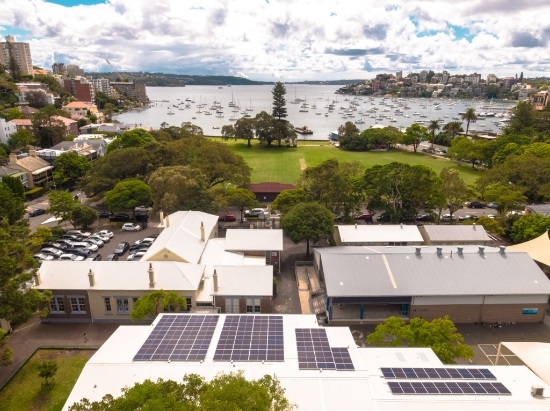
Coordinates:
167 221
151 276
502 249
417 252
439 251
36 276
13 158
91 278
459 252
161 216
215 278
202 231
32 152
481 250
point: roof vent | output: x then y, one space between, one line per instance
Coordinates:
502 249
439 250
481 250
537 391
417 252
401 225
474 225
356 226
459 251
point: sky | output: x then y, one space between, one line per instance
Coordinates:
286 40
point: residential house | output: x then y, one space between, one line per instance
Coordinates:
359 234
7 171
540 100
90 149
80 109
264 243
7 129
38 171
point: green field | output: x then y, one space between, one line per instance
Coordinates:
283 164
26 392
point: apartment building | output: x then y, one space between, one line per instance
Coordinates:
20 52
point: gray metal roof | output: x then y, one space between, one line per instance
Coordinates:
455 233
401 272
543 209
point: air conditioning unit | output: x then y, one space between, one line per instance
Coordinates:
537 391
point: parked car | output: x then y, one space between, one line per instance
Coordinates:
84 252
55 244
111 257
78 233
255 212
54 252
84 244
136 256
122 248
492 204
94 257
142 217
36 211
71 257
99 238
131 227
105 233
96 241
227 217
424 217
43 257
142 209
448 218
467 217
475 204
367 217
145 240
106 214
383 217
120 218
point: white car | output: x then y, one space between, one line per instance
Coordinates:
131 227
149 240
105 233
98 238
43 257
94 240
71 257
136 256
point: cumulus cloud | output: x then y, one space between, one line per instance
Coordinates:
286 40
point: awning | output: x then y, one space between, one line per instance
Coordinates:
41 170
536 355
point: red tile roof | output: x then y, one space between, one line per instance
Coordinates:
270 187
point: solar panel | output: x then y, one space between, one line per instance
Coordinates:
314 351
448 388
251 338
438 373
180 337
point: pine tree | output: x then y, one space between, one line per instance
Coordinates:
279 101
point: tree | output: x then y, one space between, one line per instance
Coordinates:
528 227
309 222
433 127
507 196
264 128
453 128
49 130
69 167
155 302
470 116
40 236
12 114
455 190
180 188
289 198
129 194
228 132
21 139
36 98
62 205
132 138
490 225
440 335
523 119
244 129
279 102
15 185
241 198
12 206
348 129
83 216
414 135
5 352
224 392
47 369
464 148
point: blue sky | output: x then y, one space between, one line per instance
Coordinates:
286 40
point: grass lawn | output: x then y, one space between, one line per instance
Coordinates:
283 164
26 392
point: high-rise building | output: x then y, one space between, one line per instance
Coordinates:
74 71
59 69
80 88
18 53
491 78
399 75
132 89
423 76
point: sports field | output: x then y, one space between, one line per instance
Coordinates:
285 165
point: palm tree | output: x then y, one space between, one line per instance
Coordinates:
434 125
469 115
453 128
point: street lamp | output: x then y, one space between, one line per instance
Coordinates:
226 187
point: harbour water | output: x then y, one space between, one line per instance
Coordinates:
317 107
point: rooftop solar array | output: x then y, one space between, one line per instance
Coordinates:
251 338
315 353
439 373
448 388
179 337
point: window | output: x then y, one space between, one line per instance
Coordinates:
530 311
57 305
188 303
107 301
253 305
122 305
78 304
231 305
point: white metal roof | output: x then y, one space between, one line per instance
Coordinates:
372 233
182 235
399 271
455 233
112 368
244 280
118 275
254 240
